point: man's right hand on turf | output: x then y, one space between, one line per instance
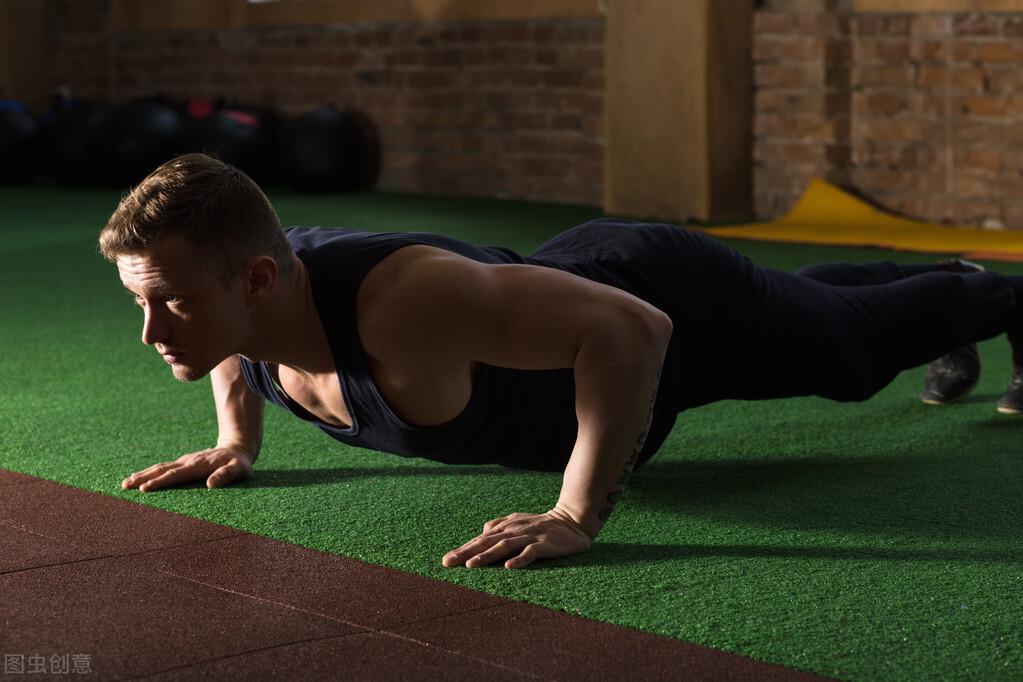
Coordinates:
219 466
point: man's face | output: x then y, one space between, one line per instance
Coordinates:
190 318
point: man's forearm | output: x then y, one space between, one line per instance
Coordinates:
239 410
616 380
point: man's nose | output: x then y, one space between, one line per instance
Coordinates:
153 328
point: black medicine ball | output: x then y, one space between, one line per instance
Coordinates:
329 150
135 138
238 138
67 143
17 145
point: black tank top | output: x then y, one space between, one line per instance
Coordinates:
517 418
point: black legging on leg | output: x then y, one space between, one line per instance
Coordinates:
918 319
881 272
860 274
806 337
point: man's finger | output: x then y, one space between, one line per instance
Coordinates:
168 478
484 541
489 525
506 521
458 556
156 483
135 480
527 556
219 478
144 475
498 551
454 557
472 548
151 468
226 475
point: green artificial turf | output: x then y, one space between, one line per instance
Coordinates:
871 541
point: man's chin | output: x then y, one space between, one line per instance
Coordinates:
187 373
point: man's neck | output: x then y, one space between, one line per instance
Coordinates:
289 331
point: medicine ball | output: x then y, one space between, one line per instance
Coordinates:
67 142
18 152
270 127
235 137
329 150
136 137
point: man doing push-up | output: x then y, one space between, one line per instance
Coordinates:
576 358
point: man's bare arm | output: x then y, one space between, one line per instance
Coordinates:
239 410
536 318
240 437
616 383
616 379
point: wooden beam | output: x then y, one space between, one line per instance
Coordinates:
678 109
144 15
320 12
23 47
921 6
451 10
730 105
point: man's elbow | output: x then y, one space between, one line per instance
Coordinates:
651 328
655 325
663 326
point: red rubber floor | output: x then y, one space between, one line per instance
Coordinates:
116 590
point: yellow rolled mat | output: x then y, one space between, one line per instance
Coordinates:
827 215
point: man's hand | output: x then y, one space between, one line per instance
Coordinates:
520 539
219 466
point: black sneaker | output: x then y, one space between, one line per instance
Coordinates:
952 376
960 265
1012 401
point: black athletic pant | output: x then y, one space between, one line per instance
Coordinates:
845 331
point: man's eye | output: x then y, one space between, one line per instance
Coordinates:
174 299
139 301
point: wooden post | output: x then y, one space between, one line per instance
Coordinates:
23 73
678 109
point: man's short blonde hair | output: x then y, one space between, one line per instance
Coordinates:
219 210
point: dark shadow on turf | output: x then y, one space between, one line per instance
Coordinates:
974 495
976 398
297 478
622 554
1002 422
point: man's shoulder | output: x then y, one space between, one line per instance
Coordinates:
316 236
332 254
402 277
409 296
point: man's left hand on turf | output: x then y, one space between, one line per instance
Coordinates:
520 539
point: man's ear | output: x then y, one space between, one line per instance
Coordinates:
261 278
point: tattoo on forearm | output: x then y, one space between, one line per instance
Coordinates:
623 478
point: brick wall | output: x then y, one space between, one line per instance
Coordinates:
920 113
509 108
79 47
802 119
